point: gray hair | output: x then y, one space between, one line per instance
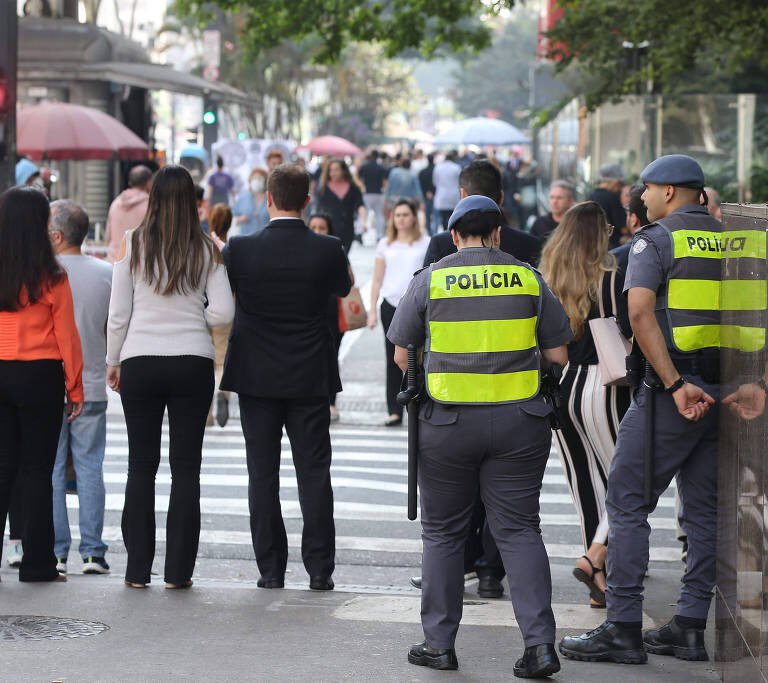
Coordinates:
564 185
71 220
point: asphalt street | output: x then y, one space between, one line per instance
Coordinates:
378 549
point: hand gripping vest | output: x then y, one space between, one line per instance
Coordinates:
481 329
704 310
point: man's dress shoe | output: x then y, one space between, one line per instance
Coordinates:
321 583
270 582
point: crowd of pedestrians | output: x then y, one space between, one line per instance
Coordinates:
248 289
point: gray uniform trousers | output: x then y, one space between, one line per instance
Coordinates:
683 448
502 449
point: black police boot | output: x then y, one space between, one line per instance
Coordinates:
675 639
489 587
423 655
609 642
538 661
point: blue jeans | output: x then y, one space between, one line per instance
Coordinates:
85 438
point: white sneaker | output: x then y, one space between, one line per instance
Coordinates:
15 553
61 565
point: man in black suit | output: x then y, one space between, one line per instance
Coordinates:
482 177
481 556
281 361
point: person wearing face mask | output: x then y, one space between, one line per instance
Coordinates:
250 209
28 174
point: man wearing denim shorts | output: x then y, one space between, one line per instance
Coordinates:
85 439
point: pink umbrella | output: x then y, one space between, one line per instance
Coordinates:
333 145
59 130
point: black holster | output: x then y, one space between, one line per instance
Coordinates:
550 392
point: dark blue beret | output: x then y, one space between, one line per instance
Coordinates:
475 202
674 169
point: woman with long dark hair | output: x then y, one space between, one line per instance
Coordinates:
168 288
580 270
38 336
339 195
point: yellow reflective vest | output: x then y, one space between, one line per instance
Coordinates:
704 310
482 316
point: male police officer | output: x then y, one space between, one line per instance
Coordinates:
488 323
674 291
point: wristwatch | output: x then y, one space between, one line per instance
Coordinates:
672 388
761 383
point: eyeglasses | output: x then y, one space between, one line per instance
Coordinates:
53 232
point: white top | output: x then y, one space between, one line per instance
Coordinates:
401 261
143 322
445 178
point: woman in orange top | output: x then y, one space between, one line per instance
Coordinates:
37 336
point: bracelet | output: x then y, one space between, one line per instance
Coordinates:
672 388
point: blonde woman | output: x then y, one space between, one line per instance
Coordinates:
579 269
399 254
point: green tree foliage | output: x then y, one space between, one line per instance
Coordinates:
429 25
365 88
662 46
498 78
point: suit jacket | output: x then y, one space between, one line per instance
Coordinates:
281 345
519 244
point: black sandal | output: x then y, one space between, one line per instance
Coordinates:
589 580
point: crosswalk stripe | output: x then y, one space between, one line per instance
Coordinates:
234 439
212 432
241 480
367 543
335 467
345 510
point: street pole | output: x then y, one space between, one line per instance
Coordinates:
9 37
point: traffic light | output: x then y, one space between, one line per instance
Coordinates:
210 122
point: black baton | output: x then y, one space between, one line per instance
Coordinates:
408 398
650 433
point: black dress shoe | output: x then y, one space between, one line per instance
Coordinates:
607 643
489 587
321 583
673 639
423 655
270 582
538 661
416 582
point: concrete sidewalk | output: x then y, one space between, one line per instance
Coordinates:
226 629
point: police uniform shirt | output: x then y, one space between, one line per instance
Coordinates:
409 324
651 257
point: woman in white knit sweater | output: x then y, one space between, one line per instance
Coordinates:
169 287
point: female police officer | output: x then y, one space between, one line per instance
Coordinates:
488 323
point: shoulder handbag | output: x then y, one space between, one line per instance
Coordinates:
352 314
611 345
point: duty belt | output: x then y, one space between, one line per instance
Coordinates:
707 367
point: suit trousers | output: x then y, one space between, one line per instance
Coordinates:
687 450
503 450
306 422
149 384
31 399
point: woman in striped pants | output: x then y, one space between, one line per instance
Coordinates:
582 273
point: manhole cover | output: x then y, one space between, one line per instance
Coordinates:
24 627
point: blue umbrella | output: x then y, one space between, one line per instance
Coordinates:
196 152
482 131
